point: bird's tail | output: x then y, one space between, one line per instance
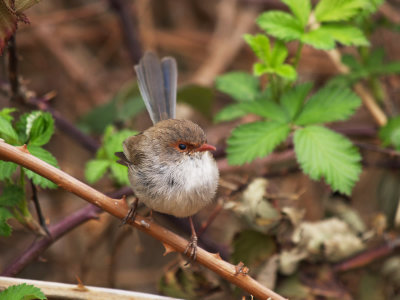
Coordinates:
157 84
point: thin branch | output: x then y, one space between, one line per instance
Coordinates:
119 209
13 68
40 216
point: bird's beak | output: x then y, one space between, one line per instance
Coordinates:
206 147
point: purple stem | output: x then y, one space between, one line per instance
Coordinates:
89 212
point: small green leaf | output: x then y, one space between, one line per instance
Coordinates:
345 34
329 104
266 108
390 133
338 10
6 169
279 54
7 132
261 68
252 140
230 112
47 157
260 45
40 128
12 195
318 39
250 247
286 71
120 173
301 9
239 85
95 169
22 292
113 143
324 153
6 113
5 229
281 25
294 98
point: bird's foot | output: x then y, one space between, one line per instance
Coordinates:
130 217
191 249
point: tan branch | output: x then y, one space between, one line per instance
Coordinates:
368 100
119 209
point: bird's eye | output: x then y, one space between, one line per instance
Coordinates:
182 146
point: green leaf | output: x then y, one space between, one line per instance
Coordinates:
318 39
6 113
12 195
280 25
120 173
22 292
266 108
261 68
324 153
40 128
47 157
345 34
329 104
5 229
390 133
7 132
279 54
230 112
199 97
250 247
6 169
113 143
95 169
239 85
338 10
294 98
260 45
301 9
286 71
252 140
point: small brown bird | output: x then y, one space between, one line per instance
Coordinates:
170 167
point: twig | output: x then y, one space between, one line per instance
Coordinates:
375 148
369 102
35 200
58 290
119 209
128 29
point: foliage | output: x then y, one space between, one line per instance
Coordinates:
34 130
283 105
390 133
22 292
106 159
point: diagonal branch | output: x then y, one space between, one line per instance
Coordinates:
119 209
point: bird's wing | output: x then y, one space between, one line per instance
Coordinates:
157 83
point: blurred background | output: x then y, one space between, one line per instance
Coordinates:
79 57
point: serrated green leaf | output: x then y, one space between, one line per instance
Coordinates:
12 195
390 133
252 140
286 71
47 157
345 34
279 54
338 10
266 108
318 39
95 169
250 247
40 128
120 173
324 153
113 143
6 169
260 45
7 132
239 85
261 68
281 25
22 292
6 113
230 112
5 229
327 105
301 9
350 61
294 98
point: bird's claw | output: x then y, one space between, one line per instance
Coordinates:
130 217
191 249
